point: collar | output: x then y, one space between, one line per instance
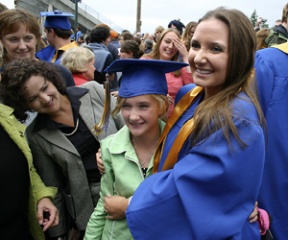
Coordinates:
6 111
283 47
44 121
63 49
121 141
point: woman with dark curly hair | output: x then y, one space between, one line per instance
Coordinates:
62 136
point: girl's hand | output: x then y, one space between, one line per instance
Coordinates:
99 162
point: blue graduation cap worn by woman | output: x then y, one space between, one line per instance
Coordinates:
141 77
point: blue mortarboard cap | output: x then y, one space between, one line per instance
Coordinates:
141 77
57 19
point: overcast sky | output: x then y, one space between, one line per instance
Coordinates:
161 12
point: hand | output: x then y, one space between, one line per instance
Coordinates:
99 162
114 93
254 215
45 206
116 207
181 48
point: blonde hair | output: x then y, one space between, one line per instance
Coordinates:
155 53
162 101
77 58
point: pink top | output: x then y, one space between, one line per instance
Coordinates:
79 79
175 83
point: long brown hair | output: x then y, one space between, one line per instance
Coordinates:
155 53
215 113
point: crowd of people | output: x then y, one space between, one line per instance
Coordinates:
178 134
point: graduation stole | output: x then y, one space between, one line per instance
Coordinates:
283 47
184 103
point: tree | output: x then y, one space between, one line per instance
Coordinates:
258 22
253 18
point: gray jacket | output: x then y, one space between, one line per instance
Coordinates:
59 164
103 57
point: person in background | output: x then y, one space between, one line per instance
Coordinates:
58 31
279 34
148 45
158 31
261 35
111 46
188 34
115 39
80 61
142 101
80 41
19 34
204 155
170 48
129 49
78 33
115 55
272 78
177 24
126 36
99 39
277 22
63 137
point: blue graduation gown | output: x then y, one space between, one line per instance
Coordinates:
46 54
272 77
212 189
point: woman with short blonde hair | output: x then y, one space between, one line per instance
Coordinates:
80 61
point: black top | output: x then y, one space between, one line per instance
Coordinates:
83 140
66 75
14 185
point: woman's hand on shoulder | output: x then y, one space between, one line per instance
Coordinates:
115 207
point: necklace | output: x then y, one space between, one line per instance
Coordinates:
144 157
75 129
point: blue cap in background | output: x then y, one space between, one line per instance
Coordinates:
57 19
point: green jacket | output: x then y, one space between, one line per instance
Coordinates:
122 176
37 189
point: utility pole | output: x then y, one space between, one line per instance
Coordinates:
138 20
76 17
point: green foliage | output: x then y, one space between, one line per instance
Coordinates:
253 18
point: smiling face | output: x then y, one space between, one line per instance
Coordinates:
20 44
209 54
167 49
141 115
41 95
